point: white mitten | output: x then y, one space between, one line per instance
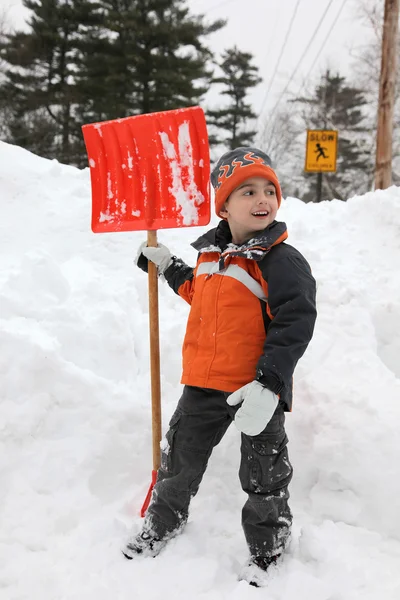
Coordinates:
159 255
259 404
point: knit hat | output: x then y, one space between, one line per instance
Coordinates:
237 165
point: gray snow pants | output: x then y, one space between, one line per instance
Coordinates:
197 426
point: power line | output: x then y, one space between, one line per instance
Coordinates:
298 63
280 56
305 80
275 30
220 5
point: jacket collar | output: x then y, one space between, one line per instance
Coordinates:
219 240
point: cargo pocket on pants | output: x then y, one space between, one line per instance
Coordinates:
167 443
267 463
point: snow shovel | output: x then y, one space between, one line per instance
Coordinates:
150 172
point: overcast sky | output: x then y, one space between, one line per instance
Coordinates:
261 26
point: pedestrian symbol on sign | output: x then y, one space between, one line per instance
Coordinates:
320 151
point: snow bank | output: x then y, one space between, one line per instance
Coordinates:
75 437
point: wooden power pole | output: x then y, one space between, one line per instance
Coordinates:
383 163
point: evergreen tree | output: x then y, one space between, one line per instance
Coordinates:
88 60
39 81
149 56
238 77
336 105
4 109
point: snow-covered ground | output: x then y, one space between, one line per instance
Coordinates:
75 425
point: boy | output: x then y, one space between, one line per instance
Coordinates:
252 316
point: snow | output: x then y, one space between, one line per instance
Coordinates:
75 434
187 197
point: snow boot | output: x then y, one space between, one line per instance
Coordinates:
259 570
144 544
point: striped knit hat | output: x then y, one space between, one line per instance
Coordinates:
237 165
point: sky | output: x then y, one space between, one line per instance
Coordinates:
75 428
261 26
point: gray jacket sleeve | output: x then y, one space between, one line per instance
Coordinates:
179 276
292 306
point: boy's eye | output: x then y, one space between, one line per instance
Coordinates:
270 192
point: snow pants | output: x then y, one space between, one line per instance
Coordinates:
197 426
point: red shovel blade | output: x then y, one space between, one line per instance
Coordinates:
149 171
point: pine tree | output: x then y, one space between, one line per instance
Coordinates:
149 57
87 60
337 105
238 77
4 107
39 81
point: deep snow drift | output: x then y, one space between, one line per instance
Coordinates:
75 445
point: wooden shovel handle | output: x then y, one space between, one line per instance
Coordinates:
154 354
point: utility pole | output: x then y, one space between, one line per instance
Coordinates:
383 162
319 175
318 190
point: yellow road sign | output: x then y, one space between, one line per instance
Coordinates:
321 150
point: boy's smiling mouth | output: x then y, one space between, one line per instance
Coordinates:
260 213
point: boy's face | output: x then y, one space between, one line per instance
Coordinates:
250 208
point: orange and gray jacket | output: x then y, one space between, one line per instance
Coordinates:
252 310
